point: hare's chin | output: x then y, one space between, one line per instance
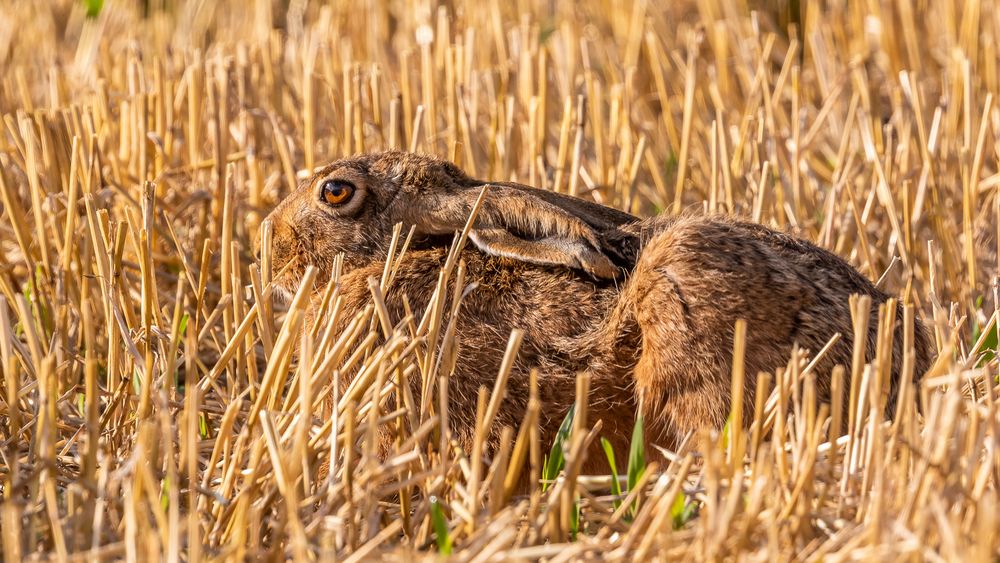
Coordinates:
282 294
283 290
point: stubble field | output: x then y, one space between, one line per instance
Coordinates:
154 404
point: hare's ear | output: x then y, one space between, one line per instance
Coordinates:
551 250
531 225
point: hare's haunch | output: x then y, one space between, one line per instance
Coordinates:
646 307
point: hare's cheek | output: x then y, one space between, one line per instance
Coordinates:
285 250
331 241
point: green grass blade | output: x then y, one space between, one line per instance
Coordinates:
556 460
636 454
724 438
616 485
94 7
574 520
679 513
182 326
986 350
202 426
636 460
165 494
440 528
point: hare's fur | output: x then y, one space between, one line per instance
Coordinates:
656 336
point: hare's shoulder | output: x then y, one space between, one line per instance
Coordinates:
494 287
499 276
555 306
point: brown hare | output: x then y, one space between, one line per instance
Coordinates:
646 307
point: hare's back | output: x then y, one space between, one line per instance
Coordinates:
705 273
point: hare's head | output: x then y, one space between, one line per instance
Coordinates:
352 205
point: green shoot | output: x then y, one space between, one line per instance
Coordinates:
636 459
556 460
94 7
682 511
616 485
440 523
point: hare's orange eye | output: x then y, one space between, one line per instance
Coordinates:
336 192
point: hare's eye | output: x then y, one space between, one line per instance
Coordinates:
336 192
